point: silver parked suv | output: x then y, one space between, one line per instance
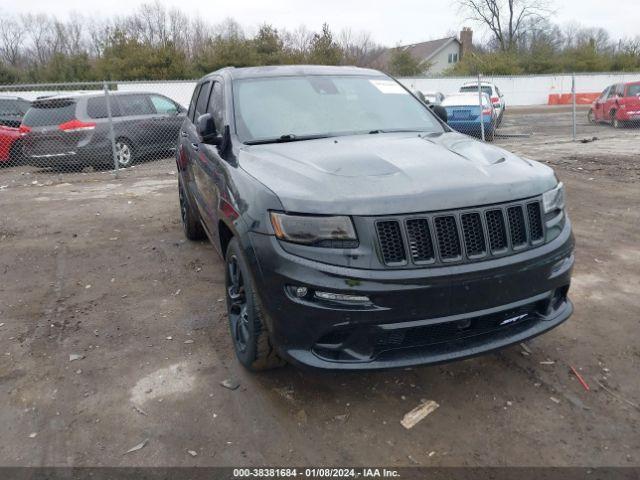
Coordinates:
73 130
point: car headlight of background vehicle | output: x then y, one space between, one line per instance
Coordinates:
319 231
553 199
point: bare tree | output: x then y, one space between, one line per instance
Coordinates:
153 24
42 38
298 40
359 49
98 32
179 29
72 34
198 34
505 19
11 37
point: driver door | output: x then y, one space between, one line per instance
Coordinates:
210 171
598 110
192 147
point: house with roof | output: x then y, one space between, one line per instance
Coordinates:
438 55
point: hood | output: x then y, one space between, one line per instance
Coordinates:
392 173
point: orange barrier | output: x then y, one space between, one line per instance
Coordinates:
566 98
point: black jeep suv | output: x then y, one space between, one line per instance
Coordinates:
358 230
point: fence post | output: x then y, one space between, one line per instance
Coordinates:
573 104
481 109
112 134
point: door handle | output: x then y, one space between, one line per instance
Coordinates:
183 134
195 146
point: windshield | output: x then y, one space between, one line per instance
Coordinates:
633 90
465 100
50 112
310 106
474 88
13 107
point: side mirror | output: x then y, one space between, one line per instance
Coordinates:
440 111
207 130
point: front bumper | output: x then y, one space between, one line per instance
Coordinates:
416 316
628 115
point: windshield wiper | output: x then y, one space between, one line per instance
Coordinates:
398 130
289 137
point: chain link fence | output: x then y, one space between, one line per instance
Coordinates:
64 132
545 108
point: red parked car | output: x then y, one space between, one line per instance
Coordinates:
12 110
618 105
8 143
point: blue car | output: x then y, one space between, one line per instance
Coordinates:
463 112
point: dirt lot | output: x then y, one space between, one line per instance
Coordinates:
98 267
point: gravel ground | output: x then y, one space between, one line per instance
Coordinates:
113 332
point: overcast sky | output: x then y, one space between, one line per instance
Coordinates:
390 22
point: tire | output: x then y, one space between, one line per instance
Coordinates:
489 136
590 118
125 153
615 122
191 225
247 325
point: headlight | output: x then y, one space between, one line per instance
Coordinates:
553 199
333 232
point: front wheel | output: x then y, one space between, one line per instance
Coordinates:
124 153
246 318
489 135
615 122
590 117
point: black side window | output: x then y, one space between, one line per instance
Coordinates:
132 105
203 97
216 106
192 105
97 107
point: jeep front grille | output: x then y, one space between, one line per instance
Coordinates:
461 235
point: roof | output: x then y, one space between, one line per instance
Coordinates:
459 99
422 50
475 82
293 70
88 94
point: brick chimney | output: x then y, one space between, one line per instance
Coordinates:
466 39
